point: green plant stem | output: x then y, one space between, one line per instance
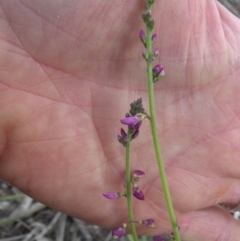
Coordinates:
156 141
129 190
130 237
36 208
12 197
144 238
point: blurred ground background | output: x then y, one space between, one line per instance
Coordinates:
232 5
23 219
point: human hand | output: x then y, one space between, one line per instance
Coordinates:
68 73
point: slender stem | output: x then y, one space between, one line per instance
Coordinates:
12 197
36 208
144 238
130 237
156 141
129 190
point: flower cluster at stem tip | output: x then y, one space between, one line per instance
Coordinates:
158 70
133 120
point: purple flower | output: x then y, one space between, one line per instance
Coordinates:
158 73
133 121
112 195
148 222
122 141
135 134
137 193
159 238
130 121
158 69
162 73
136 174
142 35
156 52
139 172
154 38
118 232
123 137
123 134
137 126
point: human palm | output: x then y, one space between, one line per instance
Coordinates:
68 73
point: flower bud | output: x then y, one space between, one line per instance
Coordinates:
156 53
154 38
135 134
145 55
122 140
157 69
146 16
137 193
159 238
158 72
136 174
123 133
147 222
119 231
142 35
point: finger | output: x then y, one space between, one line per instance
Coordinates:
211 224
203 190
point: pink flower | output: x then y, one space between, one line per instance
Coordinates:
148 222
133 121
139 172
142 35
159 238
156 52
119 231
154 38
112 195
137 193
135 134
130 121
158 69
123 137
158 72
136 174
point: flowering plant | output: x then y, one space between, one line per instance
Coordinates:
133 120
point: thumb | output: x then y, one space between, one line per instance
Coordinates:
210 224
